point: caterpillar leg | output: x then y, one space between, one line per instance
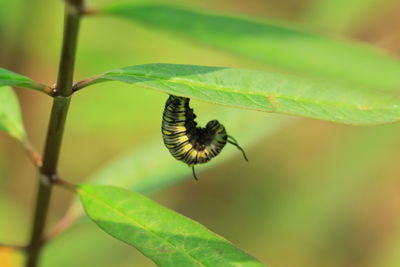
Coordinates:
233 141
194 173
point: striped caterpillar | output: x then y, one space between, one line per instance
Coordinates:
188 142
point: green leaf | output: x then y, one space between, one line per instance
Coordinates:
279 46
9 78
341 15
263 91
10 114
163 235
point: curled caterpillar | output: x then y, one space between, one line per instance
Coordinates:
188 142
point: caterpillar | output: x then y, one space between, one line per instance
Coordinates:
188 142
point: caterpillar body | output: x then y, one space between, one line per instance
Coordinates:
188 142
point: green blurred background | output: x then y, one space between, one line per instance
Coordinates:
313 194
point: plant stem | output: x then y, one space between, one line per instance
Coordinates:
58 116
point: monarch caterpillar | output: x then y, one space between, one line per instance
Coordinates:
188 142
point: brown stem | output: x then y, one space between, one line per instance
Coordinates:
56 129
86 82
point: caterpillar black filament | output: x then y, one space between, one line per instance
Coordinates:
185 140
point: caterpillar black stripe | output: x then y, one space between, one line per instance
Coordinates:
188 142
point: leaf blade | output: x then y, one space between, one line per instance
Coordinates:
342 15
277 45
166 237
10 114
263 91
9 78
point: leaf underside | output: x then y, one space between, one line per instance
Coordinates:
264 91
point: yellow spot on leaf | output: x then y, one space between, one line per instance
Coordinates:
274 102
363 107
